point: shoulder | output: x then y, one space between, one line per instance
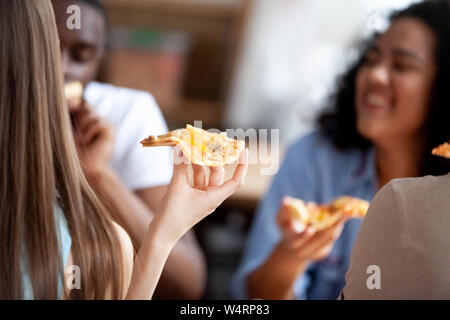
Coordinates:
408 200
416 197
124 239
413 192
127 255
424 184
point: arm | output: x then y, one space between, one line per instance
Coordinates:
182 207
264 235
278 257
184 274
377 260
276 277
271 266
185 270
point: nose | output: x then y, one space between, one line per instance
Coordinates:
379 75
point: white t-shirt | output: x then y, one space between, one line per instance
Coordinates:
135 115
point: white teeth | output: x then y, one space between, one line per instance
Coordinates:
376 100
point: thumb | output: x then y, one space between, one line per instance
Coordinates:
180 163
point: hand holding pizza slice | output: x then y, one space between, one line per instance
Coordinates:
310 230
322 216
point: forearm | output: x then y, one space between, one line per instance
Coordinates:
184 272
275 278
150 260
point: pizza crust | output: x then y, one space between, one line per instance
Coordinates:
199 146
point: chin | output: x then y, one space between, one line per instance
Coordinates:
369 130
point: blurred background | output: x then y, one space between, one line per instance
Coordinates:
266 64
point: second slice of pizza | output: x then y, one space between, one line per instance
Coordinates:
321 217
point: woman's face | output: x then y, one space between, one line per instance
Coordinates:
393 86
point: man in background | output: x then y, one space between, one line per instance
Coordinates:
107 126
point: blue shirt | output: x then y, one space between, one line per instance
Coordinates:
313 170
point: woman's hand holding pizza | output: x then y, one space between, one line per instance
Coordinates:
184 205
304 243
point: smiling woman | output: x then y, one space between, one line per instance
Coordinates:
394 84
398 88
389 110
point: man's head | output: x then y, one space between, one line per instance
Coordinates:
82 50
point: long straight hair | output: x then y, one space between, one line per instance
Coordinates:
39 168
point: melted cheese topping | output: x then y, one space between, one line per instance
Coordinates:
212 149
322 216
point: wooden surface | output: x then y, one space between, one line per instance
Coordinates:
214 29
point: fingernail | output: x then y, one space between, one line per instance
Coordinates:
298 227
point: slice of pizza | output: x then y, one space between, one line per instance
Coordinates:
74 91
443 150
353 207
199 146
321 217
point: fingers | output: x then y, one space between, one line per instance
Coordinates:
286 222
322 242
316 248
332 232
81 110
179 164
295 233
88 124
236 182
199 175
74 105
93 129
309 244
299 239
216 176
241 170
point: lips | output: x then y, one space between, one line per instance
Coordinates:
377 102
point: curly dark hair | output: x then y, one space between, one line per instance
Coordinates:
339 122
